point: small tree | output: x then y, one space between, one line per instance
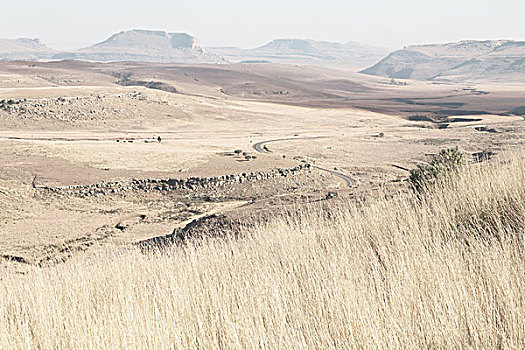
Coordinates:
237 151
447 161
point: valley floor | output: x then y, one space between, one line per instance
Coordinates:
87 164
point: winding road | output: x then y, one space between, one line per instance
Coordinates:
261 148
347 179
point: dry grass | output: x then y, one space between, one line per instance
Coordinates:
447 271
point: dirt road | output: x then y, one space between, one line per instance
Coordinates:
261 148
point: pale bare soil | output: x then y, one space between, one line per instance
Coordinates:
442 270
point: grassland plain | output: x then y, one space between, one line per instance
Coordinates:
442 270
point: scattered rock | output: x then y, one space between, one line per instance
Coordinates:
192 183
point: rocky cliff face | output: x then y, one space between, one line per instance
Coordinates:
464 60
147 46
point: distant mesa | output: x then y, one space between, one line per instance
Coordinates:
147 46
351 55
164 47
24 49
283 47
464 60
156 40
255 61
469 60
133 45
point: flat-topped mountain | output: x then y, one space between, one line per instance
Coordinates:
147 46
351 55
470 60
474 60
299 47
24 49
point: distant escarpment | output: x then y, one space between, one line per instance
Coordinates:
464 60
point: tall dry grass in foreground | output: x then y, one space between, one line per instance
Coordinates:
446 271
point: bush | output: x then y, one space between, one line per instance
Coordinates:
447 161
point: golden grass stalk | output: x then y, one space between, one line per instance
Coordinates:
446 270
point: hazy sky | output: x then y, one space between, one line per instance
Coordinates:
68 24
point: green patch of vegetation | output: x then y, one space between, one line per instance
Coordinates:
447 161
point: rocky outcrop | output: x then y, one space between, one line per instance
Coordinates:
64 109
161 185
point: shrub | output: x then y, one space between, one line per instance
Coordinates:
447 161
